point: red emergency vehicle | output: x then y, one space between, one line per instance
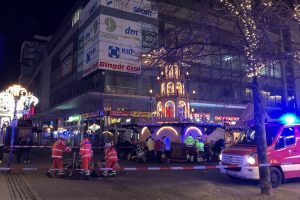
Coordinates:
283 154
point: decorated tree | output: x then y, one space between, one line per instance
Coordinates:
246 28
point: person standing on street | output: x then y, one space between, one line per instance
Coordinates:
1 147
200 149
111 159
158 149
28 143
168 148
57 160
19 150
150 145
189 148
86 155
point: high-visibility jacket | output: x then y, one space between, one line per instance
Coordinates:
199 145
58 148
86 149
111 154
189 141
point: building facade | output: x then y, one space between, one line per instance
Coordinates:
91 68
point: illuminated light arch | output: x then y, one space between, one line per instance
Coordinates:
173 104
179 88
162 88
159 107
170 88
167 128
191 128
144 130
176 71
181 104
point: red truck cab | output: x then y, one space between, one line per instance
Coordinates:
283 152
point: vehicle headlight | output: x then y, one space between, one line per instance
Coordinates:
251 160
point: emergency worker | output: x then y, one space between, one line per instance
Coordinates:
189 148
111 159
86 154
58 148
199 143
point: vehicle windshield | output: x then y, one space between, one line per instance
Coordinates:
247 137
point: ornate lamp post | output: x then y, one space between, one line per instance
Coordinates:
20 97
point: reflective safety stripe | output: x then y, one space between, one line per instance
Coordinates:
113 157
57 150
56 156
291 167
87 155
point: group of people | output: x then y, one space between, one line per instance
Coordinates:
158 149
194 146
23 148
202 150
86 154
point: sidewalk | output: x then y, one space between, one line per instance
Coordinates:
4 191
13 186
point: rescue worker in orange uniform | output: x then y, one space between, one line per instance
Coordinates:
111 159
86 154
57 162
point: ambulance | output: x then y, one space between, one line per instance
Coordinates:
283 150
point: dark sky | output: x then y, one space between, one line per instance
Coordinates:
19 21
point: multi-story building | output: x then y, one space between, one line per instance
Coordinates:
91 67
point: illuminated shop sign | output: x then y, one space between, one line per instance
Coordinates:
201 115
226 118
90 115
116 113
140 7
74 118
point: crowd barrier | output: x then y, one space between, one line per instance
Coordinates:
152 168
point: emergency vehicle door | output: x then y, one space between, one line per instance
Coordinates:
286 151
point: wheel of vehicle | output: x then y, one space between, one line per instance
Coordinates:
276 177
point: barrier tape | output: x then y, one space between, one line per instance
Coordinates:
45 146
153 168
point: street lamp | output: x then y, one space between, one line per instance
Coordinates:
150 94
194 92
19 97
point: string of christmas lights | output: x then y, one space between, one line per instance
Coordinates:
243 12
297 13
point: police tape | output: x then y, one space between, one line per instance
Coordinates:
47 146
152 168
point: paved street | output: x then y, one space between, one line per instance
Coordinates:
158 185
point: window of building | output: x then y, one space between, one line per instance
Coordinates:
76 16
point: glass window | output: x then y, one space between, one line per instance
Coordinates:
76 16
248 137
286 138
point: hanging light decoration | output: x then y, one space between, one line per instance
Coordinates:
249 29
267 3
297 13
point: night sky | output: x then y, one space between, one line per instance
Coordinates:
19 21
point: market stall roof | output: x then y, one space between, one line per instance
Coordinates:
80 104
